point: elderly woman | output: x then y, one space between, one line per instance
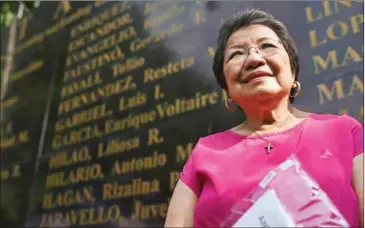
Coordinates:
257 64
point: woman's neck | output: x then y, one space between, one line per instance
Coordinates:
263 118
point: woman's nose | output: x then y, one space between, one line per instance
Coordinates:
253 59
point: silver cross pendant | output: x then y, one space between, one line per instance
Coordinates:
269 147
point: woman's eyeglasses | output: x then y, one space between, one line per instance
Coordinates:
264 49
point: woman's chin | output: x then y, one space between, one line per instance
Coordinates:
265 91
262 94
258 92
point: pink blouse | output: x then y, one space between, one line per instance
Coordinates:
225 166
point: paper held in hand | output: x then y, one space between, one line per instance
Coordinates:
286 197
266 212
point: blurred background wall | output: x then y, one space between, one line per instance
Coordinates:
102 102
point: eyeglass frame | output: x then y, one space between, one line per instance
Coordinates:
258 50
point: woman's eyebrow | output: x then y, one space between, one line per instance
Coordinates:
239 44
265 38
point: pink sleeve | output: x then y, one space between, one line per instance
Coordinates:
357 131
358 137
189 175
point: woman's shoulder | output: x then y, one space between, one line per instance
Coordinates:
343 119
336 123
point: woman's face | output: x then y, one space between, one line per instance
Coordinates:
251 74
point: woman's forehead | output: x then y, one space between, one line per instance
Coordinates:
252 34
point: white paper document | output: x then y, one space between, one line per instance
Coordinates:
266 212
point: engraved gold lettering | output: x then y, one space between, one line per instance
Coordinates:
100 19
16 171
94 63
135 100
323 64
351 55
63 7
157 93
343 111
77 136
310 17
153 137
328 7
183 105
134 164
174 177
324 91
82 217
99 3
82 117
138 187
336 30
342 27
100 46
129 65
142 43
314 40
5 174
51 30
356 85
23 136
151 74
104 30
14 139
33 66
9 102
7 142
154 5
131 121
38 38
211 51
115 146
356 20
68 198
110 126
74 176
182 153
143 211
165 16
332 60
64 158
87 98
81 85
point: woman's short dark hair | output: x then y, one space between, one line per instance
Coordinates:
244 19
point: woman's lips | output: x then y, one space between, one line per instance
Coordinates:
257 76
257 79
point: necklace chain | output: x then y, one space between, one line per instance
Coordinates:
269 146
